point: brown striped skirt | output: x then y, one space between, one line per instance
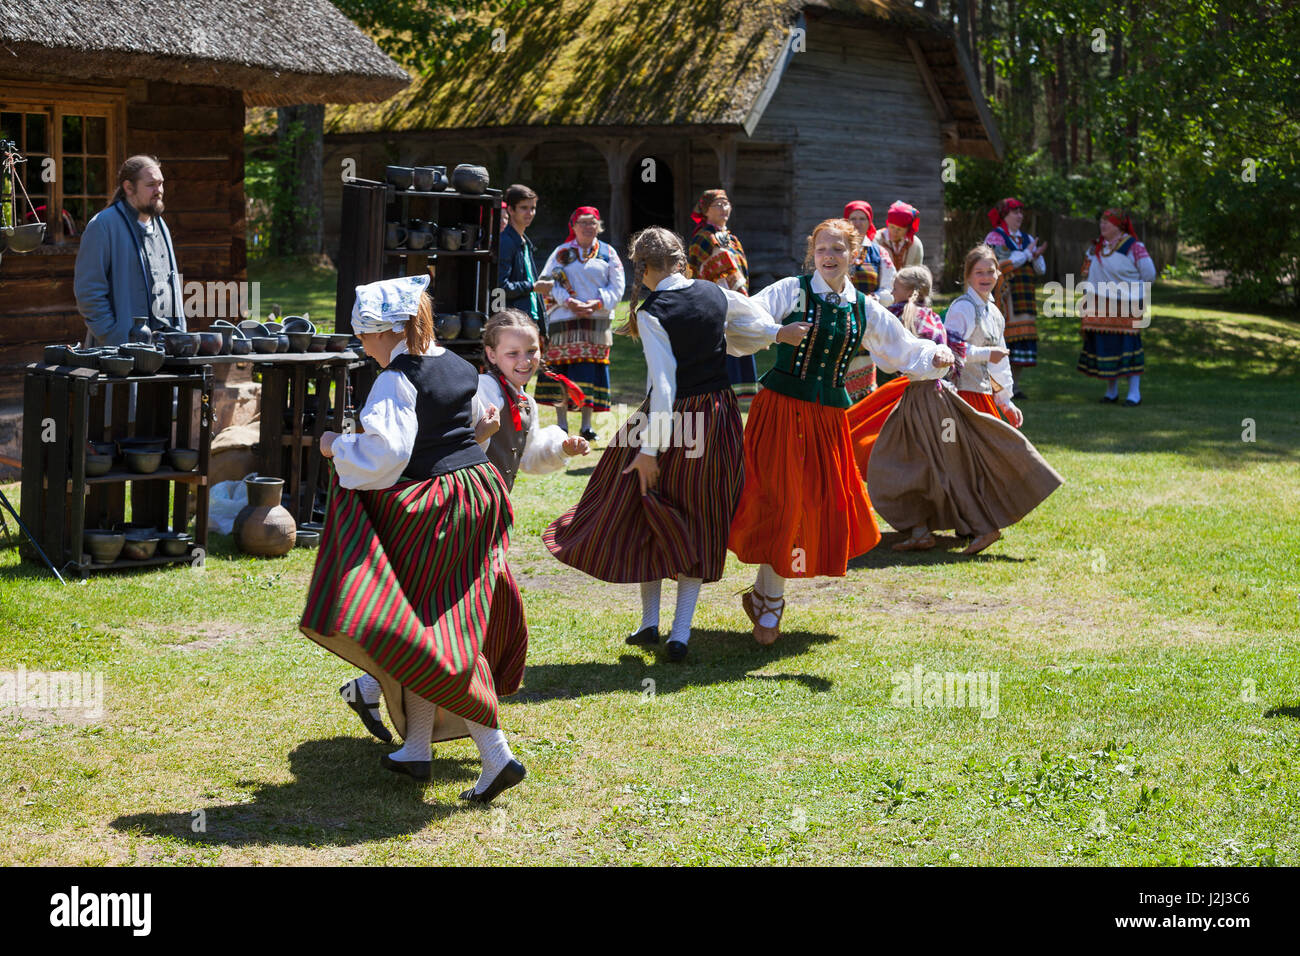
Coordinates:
616 534
411 585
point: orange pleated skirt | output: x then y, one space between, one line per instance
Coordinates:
983 402
867 416
804 509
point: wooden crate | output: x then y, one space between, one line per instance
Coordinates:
63 409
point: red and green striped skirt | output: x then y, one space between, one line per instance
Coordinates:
616 534
411 585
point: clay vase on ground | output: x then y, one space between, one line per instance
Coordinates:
265 527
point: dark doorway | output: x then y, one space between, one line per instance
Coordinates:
650 193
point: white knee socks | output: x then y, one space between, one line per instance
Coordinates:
418 741
586 416
1134 388
368 688
772 586
688 592
492 749
650 604
562 419
1112 389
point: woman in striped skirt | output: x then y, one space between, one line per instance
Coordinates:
660 503
411 583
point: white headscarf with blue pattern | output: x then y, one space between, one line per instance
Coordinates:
387 304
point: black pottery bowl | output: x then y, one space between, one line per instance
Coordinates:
282 342
108 448
104 546
143 462
140 545
299 341
183 459
297 323
173 544
339 342
118 366
83 358
148 358
307 539
318 343
125 445
210 343
240 346
273 328
56 355
98 465
265 344
471 324
403 177
181 344
467 178
251 327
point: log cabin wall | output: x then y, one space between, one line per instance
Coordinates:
197 133
855 108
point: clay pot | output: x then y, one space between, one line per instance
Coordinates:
140 331
143 462
339 342
298 341
183 459
97 465
264 527
265 344
471 324
104 546
173 544
470 179
140 545
211 343
148 359
447 326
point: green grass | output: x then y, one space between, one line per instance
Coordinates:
1142 624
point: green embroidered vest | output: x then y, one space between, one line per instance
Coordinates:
814 369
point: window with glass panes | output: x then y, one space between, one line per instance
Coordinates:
71 153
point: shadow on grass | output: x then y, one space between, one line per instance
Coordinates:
339 796
1289 710
947 550
715 657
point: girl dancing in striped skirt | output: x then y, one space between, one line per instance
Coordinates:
411 583
660 503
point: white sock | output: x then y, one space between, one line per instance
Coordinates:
586 416
493 750
1134 388
650 604
1112 390
562 419
368 688
688 592
772 586
418 741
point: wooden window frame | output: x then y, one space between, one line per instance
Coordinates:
57 100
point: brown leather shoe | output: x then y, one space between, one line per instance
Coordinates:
923 543
982 542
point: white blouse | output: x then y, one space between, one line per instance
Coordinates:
885 293
543 448
892 347
1018 256
750 328
593 278
961 319
375 457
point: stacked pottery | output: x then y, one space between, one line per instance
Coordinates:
265 527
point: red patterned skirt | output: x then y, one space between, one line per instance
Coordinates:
616 534
411 585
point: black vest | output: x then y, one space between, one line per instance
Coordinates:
695 318
506 448
444 387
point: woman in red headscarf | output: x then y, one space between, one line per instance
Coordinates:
589 283
1111 319
716 255
872 274
1020 257
900 241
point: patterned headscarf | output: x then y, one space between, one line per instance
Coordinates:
864 206
901 214
387 304
1118 218
997 215
700 215
577 214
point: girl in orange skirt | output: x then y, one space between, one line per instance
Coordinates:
974 320
804 511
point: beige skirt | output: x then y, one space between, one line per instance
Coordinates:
940 463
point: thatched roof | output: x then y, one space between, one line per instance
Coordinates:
278 52
705 63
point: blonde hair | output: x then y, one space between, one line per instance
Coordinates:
977 255
840 225
661 249
419 330
919 281
505 320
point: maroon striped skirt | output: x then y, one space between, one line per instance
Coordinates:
616 534
411 585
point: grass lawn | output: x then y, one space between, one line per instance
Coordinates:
1141 626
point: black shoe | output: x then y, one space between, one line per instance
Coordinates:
1107 399
589 434
647 635
676 651
418 769
512 774
1132 404
354 700
1018 395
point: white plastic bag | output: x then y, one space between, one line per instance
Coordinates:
225 501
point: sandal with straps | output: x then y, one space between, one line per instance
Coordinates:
765 636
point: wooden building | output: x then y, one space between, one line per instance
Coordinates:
636 108
83 85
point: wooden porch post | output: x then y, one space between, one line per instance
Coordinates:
725 148
617 152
